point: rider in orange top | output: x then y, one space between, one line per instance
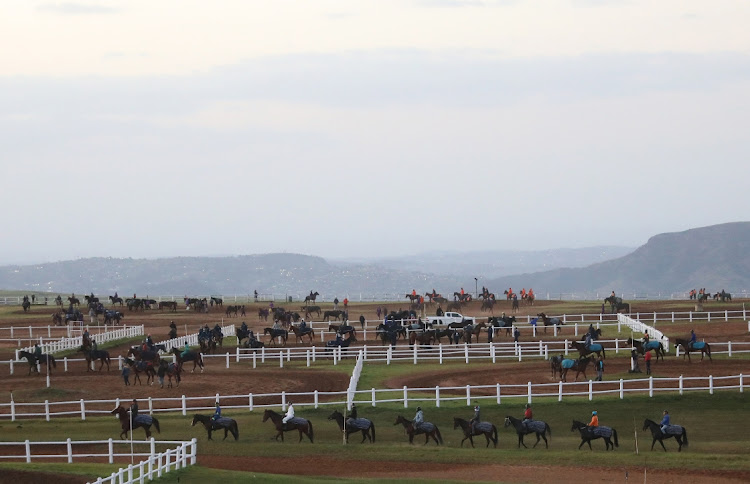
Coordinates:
523 293
531 292
594 420
413 292
462 291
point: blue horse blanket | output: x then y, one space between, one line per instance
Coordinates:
143 420
223 421
484 427
567 363
358 423
605 432
698 345
652 345
594 347
425 427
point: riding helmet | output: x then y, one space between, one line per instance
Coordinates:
593 413
419 408
528 405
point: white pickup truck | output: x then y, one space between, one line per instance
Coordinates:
448 318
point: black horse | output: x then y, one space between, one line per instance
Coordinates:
550 321
115 299
590 349
311 297
354 425
93 355
228 424
139 367
32 359
191 355
305 427
702 346
538 427
578 365
657 346
481 428
680 434
592 433
276 333
142 421
616 305
426 428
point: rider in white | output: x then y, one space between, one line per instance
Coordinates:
289 414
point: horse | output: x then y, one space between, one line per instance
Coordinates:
680 434
228 424
466 297
426 428
171 305
191 355
502 322
489 305
590 349
300 335
724 296
91 300
32 359
344 329
309 310
303 426
355 425
413 297
217 301
276 333
140 421
74 301
144 355
26 305
701 346
312 297
112 316
550 321
480 428
172 370
538 427
508 295
263 314
617 305
579 365
657 346
425 338
139 367
335 314
555 364
115 299
529 298
91 355
592 433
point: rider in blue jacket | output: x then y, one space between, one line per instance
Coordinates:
217 412
665 422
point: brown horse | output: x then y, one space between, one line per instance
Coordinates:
193 356
263 314
481 428
488 305
703 347
142 421
303 426
426 338
300 336
587 350
426 428
578 365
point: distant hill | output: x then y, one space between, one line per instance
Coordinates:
497 263
715 257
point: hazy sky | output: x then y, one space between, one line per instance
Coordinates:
367 128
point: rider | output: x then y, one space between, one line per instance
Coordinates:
172 330
289 415
276 326
185 351
134 409
149 341
588 340
527 414
353 412
664 422
244 327
339 340
693 339
475 419
594 419
93 345
302 326
217 412
418 418
645 337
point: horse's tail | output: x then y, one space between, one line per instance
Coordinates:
614 433
494 434
156 424
235 430
372 426
310 426
52 361
440 437
684 435
548 429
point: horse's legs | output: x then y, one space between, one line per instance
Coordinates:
537 440
583 441
226 431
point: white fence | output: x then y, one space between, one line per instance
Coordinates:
77 341
497 392
153 466
354 381
641 328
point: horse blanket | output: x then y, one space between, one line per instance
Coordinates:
358 423
673 430
484 427
652 345
425 427
223 422
143 420
594 347
535 426
698 345
296 421
566 363
533 321
605 432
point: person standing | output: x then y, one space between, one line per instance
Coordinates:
599 369
126 374
335 303
362 321
516 334
161 372
647 359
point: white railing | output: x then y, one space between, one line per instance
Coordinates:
77 341
641 328
192 339
404 395
354 381
154 465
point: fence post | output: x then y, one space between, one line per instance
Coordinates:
711 384
288 354
307 357
466 353
28 452
372 399
576 329
46 410
742 383
650 386
729 348
691 316
151 406
493 353
254 359
283 400
111 450
237 358
83 410
119 362
415 352
541 349
281 359
250 401
364 350
184 406
497 392
520 349
468 395
11 364
70 451
591 390
677 350
529 392
389 354
440 353
406 397
681 385
315 398
12 409
559 391
313 354
622 389
263 354
566 347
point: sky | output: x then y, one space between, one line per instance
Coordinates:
369 128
